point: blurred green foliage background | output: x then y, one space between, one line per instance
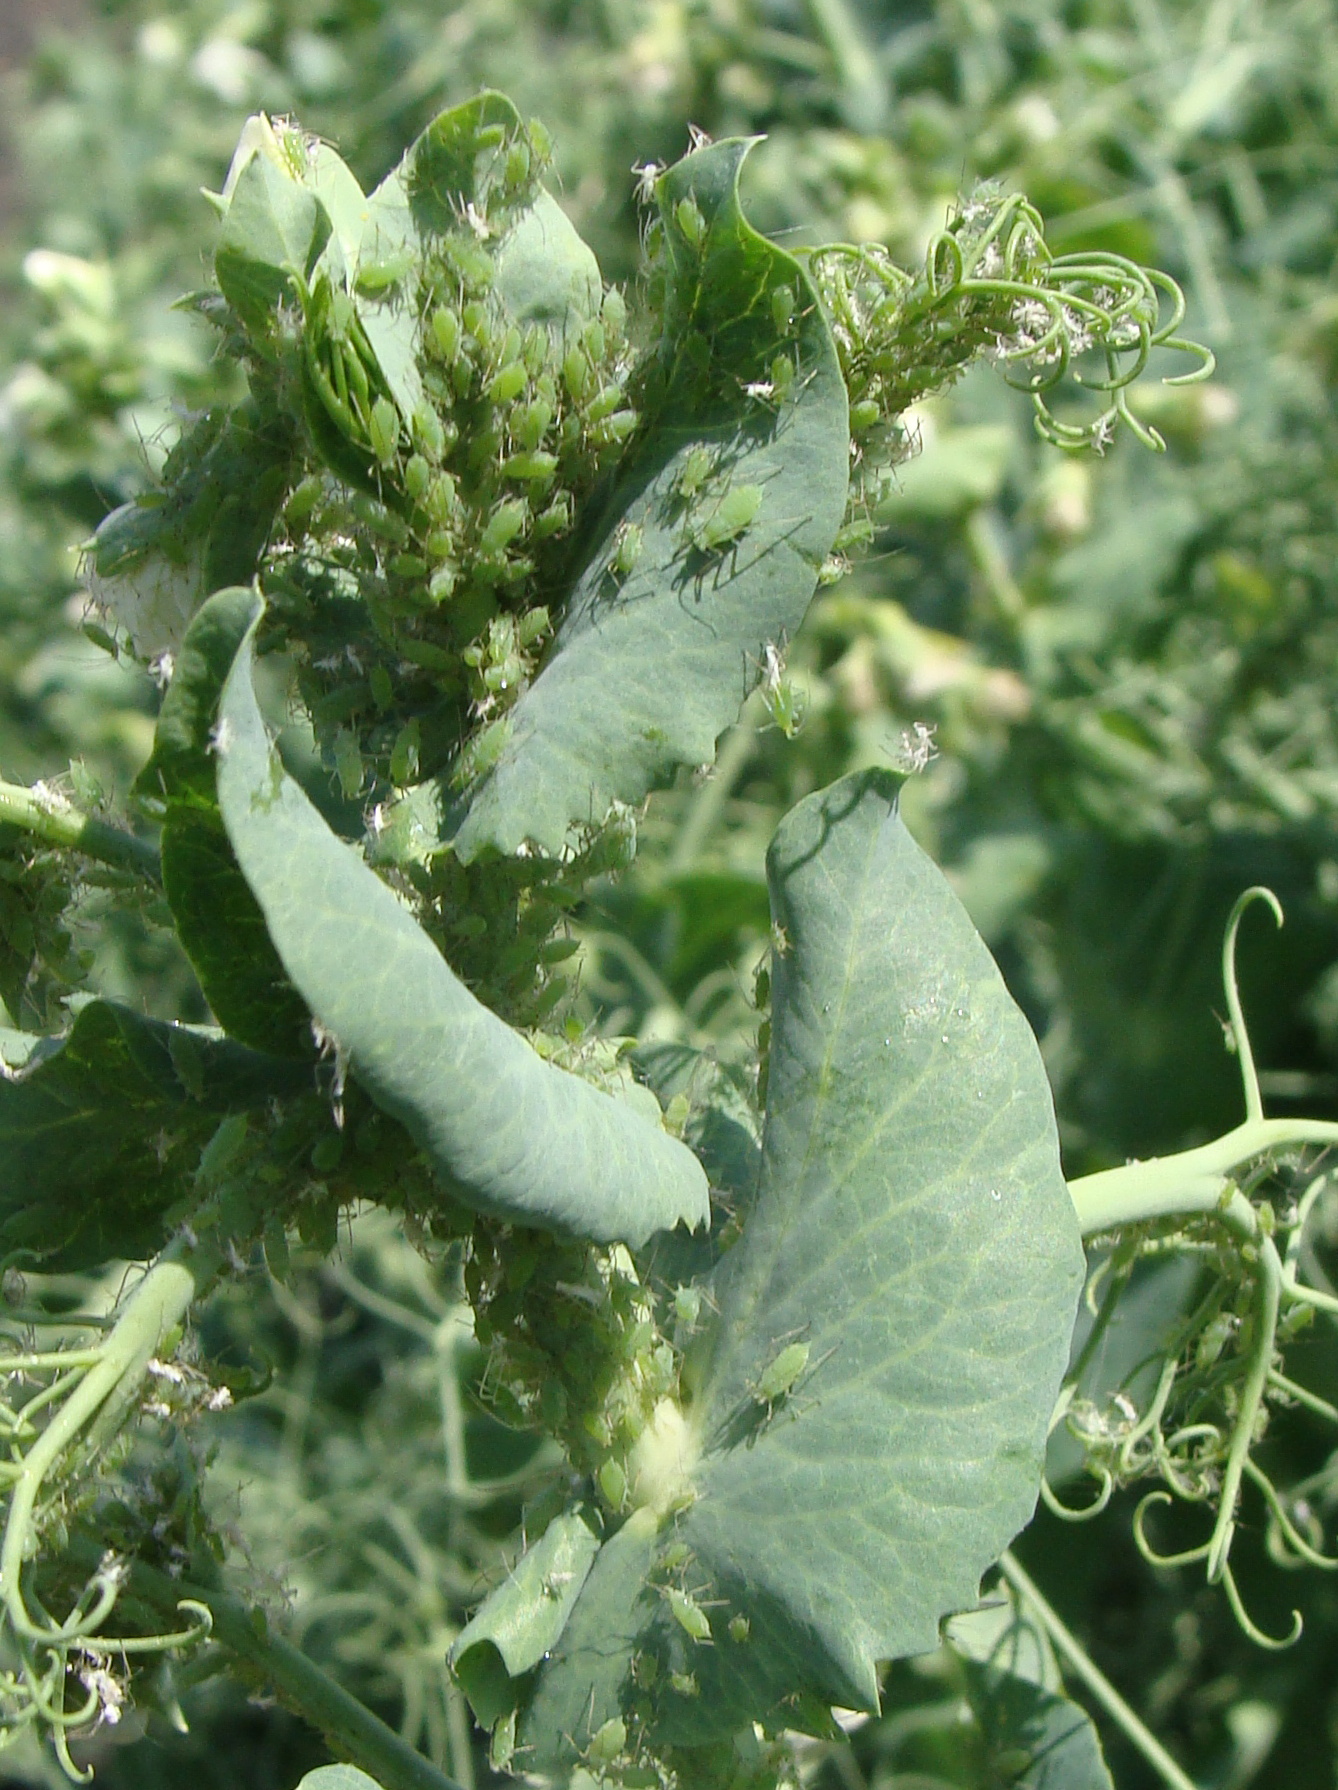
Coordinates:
1129 664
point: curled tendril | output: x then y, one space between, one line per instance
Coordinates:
1271 1643
990 284
1066 1512
90 1391
1186 1558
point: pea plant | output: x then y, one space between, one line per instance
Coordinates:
483 553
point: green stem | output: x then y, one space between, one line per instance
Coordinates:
1096 1681
1189 1182
159 1303
55 822
350 1729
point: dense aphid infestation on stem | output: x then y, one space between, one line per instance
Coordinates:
489 551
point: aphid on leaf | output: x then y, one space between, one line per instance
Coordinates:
627 544
690 221
689 1615
779 1375
607 1742
383 427
502 1747
739 1629
684 1683
695 471
722 525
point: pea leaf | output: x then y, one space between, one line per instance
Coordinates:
338 1777
101 1130
510 1134
218 920
519 1624
273 228
650 666
903 1292
1033 1735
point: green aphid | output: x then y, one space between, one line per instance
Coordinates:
531 465
607 1742
863 416
739 1629
383 428
688 1306
530 423
505 523
446 332
576 374
603 404
556 519
429 437
615 311
374 278
483 752
532 626
417 477
780 1373
516 168
502 1746
612 1479
508 382
782 308
404 755
627 545
348 764
728 519
690 221
689 1615
674 1557
685 1683
695 471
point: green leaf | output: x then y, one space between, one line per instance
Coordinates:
218 920
545 271
913 1245
273 229
649 669
519 1624
101 1130
338 1777
1033 1735
510 1134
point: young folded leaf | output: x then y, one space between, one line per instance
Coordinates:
510 1134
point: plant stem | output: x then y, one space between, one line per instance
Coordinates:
1096 1681
55 822
1189 1182
350 1728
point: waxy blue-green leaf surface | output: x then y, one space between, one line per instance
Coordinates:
338 1777
509 1133
649 667
101 1130
1032 1735
912 1228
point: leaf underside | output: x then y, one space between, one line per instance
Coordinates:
508 1133
650 667
101 1131
912 1227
